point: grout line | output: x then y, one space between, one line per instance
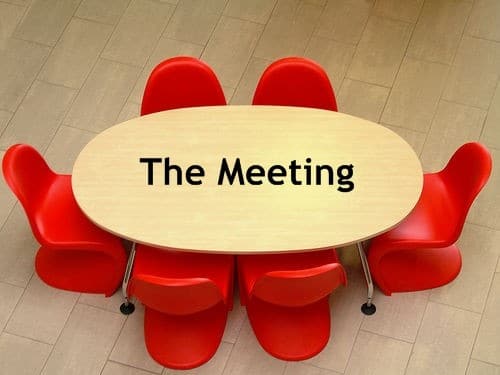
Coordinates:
417 333
133 367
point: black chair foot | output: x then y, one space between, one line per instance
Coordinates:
368 309
127 308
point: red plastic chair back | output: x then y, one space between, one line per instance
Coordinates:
181 82
301 287
29 177
295 81
175 296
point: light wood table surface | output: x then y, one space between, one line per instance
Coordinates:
110 184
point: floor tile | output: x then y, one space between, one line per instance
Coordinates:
22 356
344 20
113 368
483 20
45 20
398 316
165 49
415 95
7 198
102 97
444 341
333 56
289 30
481 368
362 99
491 131
42 312
298 368
106 303
439 30
130 348
403 10
20 62
474 74
129 111
108 11
138 32
17 258
235 320
5 117
39 115
415 139
76 53
373 354
228 55
19 2
9 295
246 88
194 20
255 11
85 342
213 367
380 51
10 15
453 125
486 347
479 249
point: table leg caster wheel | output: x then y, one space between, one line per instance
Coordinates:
368 309
127 308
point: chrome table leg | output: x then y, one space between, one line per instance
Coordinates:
128 307
367 308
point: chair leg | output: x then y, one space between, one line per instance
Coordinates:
367 308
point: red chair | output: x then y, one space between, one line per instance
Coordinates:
187 297
286 296
420 253
181 82
295 81
74 254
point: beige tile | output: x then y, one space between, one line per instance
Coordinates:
113 368
362 99
380 51
19 2
498 265
235 320
102 97
255 11
42 312
483 20
333 56
39 115
439 30
165 49
137 32
486 347
5 117
479 249
481 368
228 92
346 318
453 125
129 111
106 303
415 95
320 3
22 356
444 341
248 83
398 316
194 20
415 139
474 74
9 295
344 20
75 53
403 10
491 130
373 354
130 348
20 62
297 368
7 198
45 20
486 209
109 11
289 29
65 147
230 48
213 367
18 249
10 15
249 358
85 342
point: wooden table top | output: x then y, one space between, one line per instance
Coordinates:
290 210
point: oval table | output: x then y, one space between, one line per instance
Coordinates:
274 204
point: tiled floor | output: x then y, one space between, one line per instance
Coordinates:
429 70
